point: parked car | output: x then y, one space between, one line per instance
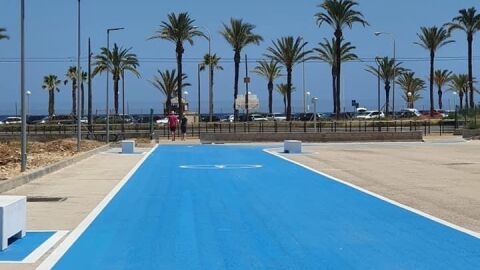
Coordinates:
35 119
228 118
58 120
308 117
371 115
13 120
256 117
409 113
116 119
276 117
162 121
206 118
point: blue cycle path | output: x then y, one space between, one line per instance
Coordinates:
279 216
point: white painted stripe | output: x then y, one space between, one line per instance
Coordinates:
416 211
51 260
41 250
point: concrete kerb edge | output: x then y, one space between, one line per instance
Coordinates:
40 172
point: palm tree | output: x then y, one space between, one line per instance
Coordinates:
72 75
51 83
82 93
441 78
116 61
270 70
213 62
326 53
386 69
432 39
288 51
239 35
459 85
339 14
283 90
411 87
467 21
167 82
178 29
2 35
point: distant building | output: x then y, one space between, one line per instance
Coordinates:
175 105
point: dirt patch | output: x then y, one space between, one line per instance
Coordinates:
40 154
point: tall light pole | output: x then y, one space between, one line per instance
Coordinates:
210 69
199 90
314 102
22 87
28 93
107 98
303 82
308 98
79 80
394 63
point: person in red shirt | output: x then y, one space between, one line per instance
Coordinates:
172 124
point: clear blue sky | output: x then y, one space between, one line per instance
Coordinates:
51 35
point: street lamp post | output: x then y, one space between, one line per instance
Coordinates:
210 68
308 98
28 93
314 102
394 63
378 84
199 90
107 97
79 78
185 108
22 87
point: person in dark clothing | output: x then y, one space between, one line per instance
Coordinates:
183 126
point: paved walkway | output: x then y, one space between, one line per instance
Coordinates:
84 185
440 177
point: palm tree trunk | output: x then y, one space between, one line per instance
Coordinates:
289 93
440 100
461 101
51 103
432 68
338 51
334 89
466 98
387 98
470 70
270 96
180 51
74 97
115 93
236 59
168 105
210 92
285 103
82 88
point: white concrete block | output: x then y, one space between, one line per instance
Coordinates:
128 147
292 146
13 218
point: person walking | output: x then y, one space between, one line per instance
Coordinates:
172 124
183 126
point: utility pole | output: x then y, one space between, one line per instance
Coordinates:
90 105
79 82
22 88
247 81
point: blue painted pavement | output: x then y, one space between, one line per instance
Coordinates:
279 216
18 250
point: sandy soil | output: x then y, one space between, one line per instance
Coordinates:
39 154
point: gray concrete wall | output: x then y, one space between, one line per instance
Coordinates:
312 137
470 133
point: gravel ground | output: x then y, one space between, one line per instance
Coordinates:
39 154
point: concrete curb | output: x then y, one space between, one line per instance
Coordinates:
37 173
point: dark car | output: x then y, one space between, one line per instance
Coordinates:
58 120
206 118
35 119
116 119
308 117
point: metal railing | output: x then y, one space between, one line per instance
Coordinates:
98 131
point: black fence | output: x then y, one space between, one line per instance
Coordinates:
117 132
